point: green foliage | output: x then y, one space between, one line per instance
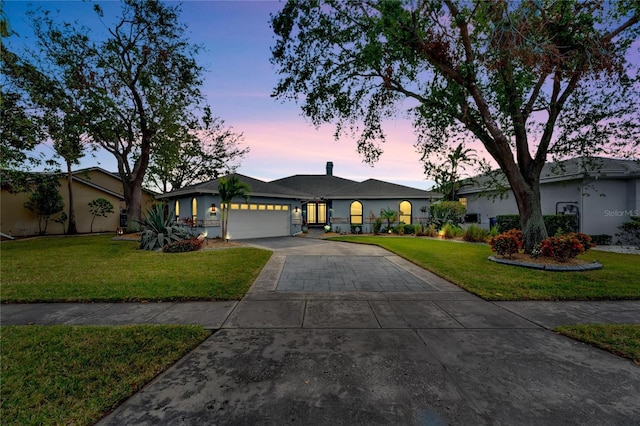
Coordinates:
229 188
389 215
62 219
601 239
135 88
490 69
450 230
45 200
203 153
377 225
183 246
560 223
507 221
159 229
356 229
475 234
507 243
630 232
446 212
99 207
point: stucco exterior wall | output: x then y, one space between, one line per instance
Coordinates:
18 221
603 204
341 212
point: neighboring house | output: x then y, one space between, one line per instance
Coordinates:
282 207
88 185
601 192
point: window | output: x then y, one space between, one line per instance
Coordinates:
356 213
194 209
405 213
463 201
177 209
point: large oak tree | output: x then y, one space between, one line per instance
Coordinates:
529 79
135 84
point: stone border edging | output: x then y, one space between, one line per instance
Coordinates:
552 268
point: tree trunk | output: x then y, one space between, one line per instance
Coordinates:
71 229
527 195
134 205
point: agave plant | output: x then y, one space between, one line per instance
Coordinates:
159 230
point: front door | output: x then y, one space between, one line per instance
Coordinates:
316 213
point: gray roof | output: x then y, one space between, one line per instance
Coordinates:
316 186
259 188
574 168
309 187
373 188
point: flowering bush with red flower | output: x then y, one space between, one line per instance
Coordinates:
562 247
507 243
584 239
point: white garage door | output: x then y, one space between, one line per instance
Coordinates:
258 224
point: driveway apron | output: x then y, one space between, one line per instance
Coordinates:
334 333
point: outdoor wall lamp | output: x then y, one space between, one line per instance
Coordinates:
296 210
213 208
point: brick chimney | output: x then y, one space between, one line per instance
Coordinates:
329 168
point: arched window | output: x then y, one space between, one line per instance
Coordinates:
356 213
177 209
194 209
405 212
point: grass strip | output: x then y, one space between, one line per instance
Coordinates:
75 375
467 266
620 339
96 268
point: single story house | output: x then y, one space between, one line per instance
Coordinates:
284 206
601 192
88 185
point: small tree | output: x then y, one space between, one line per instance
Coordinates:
229 188
62 219
389 215
99 207
45 200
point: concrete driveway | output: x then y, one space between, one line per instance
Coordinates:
334 333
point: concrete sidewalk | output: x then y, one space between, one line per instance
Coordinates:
334 333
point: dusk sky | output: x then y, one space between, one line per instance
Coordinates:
239 80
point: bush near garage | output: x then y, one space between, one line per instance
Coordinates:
183 246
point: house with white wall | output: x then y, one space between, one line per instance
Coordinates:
601 192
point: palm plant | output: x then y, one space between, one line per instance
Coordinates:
389 215
230 188
159 229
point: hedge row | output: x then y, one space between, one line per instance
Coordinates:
553 223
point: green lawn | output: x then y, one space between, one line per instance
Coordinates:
96 268
467 266
621 339
75 375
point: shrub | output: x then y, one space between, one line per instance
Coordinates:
507 243
183 246
430 231
449 231
377 225
555 223
159 230
584 239
356 229
560 223
475 234
630 232
446 212
562 248
601 239
507 221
